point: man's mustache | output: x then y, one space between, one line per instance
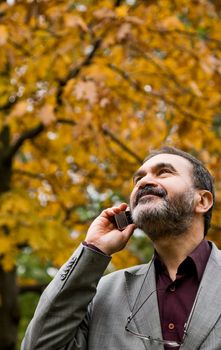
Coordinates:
155 191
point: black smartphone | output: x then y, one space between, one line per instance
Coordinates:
123 219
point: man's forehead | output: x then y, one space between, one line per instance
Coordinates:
178 162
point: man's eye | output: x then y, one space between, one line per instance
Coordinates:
137 179
164 171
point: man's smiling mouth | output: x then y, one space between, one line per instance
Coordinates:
148 195
151 193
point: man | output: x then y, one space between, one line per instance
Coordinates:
174 301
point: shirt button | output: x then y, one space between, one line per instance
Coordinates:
171 326
172 288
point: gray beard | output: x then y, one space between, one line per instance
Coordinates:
170 217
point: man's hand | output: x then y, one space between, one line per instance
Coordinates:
103 232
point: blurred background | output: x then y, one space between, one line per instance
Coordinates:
87 89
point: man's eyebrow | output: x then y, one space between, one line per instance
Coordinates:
141 172
164 165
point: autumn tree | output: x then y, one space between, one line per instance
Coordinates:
86 89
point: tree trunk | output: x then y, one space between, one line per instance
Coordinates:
9 310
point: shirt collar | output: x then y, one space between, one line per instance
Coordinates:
198 259
200 256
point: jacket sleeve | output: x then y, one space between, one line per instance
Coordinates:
61 318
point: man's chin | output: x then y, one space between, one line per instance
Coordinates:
152 229
149 207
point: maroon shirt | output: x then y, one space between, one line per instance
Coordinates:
176 298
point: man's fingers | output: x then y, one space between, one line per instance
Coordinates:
114 210
123 206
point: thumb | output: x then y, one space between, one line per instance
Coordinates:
128 231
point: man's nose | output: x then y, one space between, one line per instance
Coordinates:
147 181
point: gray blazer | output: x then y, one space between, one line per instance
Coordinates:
73 313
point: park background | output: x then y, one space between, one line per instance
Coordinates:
87 88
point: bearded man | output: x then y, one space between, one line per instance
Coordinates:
173 301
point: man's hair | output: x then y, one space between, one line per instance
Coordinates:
202 179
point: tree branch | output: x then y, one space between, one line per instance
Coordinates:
137 87
185 33
29 174
28 134
107 132
66 121
8 105
76 70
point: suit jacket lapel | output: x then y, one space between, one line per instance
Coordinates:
207 309
147 319
208 305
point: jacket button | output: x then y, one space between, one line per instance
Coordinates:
63 276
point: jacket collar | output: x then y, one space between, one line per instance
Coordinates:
207 309
208 305
139 286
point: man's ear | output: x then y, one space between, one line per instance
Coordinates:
204 201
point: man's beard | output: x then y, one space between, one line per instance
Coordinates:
163 217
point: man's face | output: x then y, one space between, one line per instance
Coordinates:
163 199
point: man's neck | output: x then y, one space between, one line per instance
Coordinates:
174 250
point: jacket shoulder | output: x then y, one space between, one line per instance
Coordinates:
117 278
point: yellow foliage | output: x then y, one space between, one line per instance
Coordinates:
5 245
8 262
172 22
125 259
73 21
3 35
86 92
122 11
19 109
15 201
46 114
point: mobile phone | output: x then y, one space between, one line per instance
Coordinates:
123 219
